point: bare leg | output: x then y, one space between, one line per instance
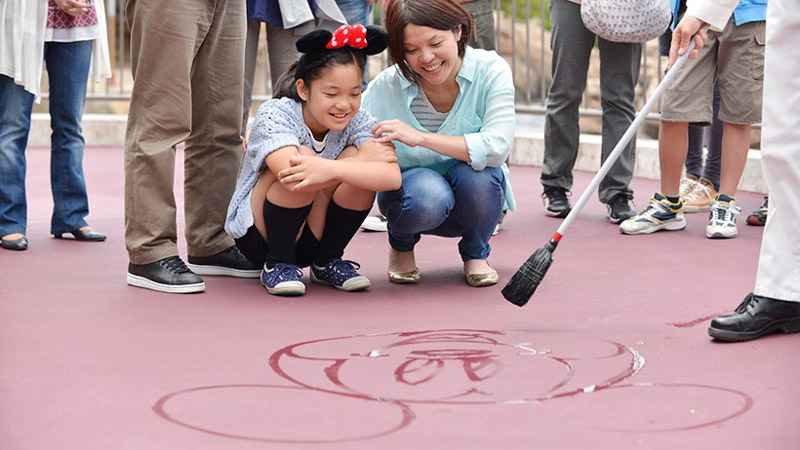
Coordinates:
477 266
401 262
673 141
267 188
735 145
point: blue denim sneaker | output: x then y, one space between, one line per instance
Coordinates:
283 279
340 274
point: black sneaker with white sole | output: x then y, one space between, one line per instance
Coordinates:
619 208
229 262
556 203
165 275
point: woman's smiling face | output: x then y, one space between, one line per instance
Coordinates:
432 54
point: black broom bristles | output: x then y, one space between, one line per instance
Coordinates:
522 285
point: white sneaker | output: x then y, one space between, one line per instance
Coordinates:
722 220
375 223
499 223
660 214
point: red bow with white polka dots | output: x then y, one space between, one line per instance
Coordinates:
354 36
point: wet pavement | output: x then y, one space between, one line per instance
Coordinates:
610 353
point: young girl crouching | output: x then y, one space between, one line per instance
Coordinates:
312 167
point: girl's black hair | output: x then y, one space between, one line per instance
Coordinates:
315 57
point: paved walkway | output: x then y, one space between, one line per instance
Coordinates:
611 352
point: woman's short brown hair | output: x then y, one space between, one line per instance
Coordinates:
438 14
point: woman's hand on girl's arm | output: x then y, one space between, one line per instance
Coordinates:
396 130
452 146
374 151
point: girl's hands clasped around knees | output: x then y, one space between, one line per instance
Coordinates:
307 173
390 130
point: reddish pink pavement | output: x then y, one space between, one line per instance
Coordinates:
611 352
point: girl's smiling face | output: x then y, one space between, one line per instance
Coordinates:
332 99
432 53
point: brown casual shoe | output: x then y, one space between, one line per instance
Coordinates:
700 198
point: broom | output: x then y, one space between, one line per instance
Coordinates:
522 285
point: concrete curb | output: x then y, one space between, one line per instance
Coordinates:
107 130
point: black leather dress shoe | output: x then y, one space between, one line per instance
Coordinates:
84 235
16 244
755 317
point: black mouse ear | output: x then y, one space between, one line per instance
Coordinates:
313 41
377 40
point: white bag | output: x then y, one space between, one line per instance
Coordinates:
626 20
298 12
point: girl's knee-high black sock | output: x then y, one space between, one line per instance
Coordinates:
282 225
340 226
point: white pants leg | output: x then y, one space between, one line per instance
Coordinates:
779 264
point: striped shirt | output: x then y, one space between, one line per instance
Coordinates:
426 114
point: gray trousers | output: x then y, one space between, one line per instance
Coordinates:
482 23
280 49
572 45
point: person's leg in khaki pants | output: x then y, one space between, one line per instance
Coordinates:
214 146
187 64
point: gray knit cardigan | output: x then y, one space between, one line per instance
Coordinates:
279 123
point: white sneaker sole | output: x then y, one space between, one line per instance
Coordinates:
142 282
288 288
694 209
722 234
374 225
358 283
669 226
223 271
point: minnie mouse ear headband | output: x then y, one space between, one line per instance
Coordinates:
369 40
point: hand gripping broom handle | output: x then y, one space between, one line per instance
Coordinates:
623 142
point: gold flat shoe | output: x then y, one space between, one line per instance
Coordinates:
483 279
404 277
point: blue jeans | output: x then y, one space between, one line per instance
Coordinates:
354 11
461 203
68 71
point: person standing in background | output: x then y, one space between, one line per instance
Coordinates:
572 44
64 35
286 21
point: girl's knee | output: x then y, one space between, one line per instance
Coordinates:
351 197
